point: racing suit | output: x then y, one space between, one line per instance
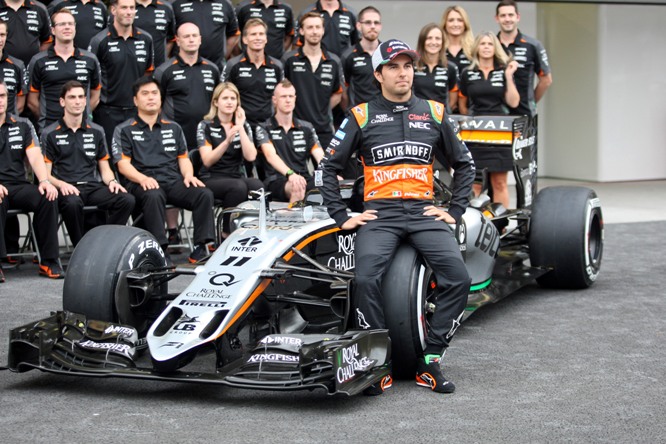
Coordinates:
397 143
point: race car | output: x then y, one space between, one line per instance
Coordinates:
271 308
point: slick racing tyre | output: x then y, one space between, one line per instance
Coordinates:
408 290
92 286
567 236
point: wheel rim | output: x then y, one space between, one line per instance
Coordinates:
425 303
595 241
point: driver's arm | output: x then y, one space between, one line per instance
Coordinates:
458 156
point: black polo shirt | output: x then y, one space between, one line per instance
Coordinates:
91 18
339 30
74 155
460 60
359 75
436 84
158 20
216 20
314 89
532 59
294 147
212 133
484 95
17 135
122 62
153 152
187 92
279 19
15 76
28 28
256 85
48 72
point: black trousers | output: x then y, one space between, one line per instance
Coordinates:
26 197
376 243
232 191
198 200
117 206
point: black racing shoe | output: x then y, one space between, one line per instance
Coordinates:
51 269
200 253
173 237
430 375
379 387
2 276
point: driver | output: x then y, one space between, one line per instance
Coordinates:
396 136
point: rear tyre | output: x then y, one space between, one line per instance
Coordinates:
408 290
567 236
92 286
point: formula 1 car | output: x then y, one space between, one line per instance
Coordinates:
272 308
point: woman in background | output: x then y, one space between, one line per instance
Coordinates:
458 36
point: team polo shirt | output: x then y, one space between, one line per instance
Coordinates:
153 152
484 95
211 134
122 61
532 59
91 18
15 76
256 85
48 72
28 28
314 89
436 84
294 147
73 155
359 75
339 30
279 19
158 20
216 20
17 135
187 92
460 60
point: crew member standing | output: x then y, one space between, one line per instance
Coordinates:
279 20
157 19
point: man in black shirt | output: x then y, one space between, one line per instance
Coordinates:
51 69
157 19
187 83
91 17
125 53
150 152
339 25
288 144
28 24
18 144
279 19
78 164
13 73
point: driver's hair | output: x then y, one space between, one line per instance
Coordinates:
219 89
500 57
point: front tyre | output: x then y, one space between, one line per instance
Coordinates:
93 286
566 236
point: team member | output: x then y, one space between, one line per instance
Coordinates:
225 141
530 55
357 60
151 154
217 23
187 83
279 19
157 19
50 69
397 136
13 73
125 53
91 17
18 143
487 87
339 25
317 77
435 78
458 36
78 164
288 144
28 28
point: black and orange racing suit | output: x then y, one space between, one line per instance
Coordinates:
397 143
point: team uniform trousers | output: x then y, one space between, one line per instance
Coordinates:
117 206
198 200
26 196
376 243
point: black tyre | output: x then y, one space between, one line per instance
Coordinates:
408 290
92 286
567 236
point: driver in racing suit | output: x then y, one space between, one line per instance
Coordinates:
396 136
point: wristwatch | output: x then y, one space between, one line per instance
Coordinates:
289 173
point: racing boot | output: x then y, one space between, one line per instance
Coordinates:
429 374
379 387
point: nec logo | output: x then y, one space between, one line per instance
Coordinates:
420 125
